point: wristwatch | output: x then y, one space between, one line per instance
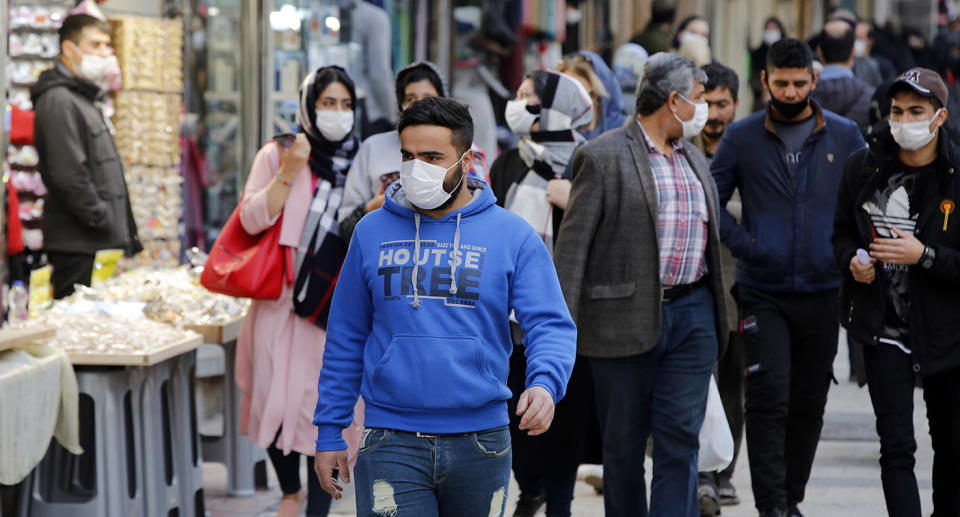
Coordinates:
928 258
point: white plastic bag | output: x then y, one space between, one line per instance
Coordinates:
716 442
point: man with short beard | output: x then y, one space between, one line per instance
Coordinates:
721 94
787 161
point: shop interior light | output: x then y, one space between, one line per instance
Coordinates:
287 18
332 23
213 11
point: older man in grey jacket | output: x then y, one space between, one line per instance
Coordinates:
638 257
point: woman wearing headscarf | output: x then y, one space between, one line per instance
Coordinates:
590 69
297 185
548 106
604 89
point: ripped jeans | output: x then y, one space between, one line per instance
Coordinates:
401 474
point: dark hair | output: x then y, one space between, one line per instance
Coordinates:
415 74
719 76
334 74
444 112
837 49
683 25
789 53
775 20
73 26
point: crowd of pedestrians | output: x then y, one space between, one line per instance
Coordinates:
572 305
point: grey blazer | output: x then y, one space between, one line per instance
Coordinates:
607 255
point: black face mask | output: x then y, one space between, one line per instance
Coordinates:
790 110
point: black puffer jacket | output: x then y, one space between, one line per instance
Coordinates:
88 207
934 301
848 97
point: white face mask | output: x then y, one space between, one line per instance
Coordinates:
334 125
771 36
518 118
423 183
95 68
913 135
695 125
860 48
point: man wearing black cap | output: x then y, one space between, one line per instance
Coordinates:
897 238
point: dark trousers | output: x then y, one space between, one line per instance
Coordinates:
548 463
941 392
730 385
789 365
663 392
891 381
69 269
288 475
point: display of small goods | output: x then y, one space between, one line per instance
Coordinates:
147 122
150 52
148 127
170 295
119 328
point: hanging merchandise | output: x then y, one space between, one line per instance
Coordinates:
32 47
147 122
545 19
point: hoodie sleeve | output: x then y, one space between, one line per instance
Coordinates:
66 169
549 333
725 175
351 320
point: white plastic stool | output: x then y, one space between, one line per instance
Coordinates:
105 480
161 470
186 439
246 463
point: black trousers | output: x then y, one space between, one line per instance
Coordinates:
288 475
548 463
789 365
69 269
730 386
891 382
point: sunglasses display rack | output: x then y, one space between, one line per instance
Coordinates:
147 121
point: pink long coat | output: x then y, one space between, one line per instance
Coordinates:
279 354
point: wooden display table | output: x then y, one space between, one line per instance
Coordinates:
218 334
13 338
148 358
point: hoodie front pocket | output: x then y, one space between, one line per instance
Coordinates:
425 372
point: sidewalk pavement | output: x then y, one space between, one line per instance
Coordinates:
845 481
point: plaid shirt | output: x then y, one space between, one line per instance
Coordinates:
682 216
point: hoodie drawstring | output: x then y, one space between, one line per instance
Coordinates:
456 252
416 263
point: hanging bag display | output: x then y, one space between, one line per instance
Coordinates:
248 266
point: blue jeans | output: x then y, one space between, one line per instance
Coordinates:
401 474
663 392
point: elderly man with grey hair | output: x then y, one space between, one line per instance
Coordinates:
638 257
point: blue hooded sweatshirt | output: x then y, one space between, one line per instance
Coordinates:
427 342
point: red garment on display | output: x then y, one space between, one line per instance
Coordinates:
248 266
14 224
21 126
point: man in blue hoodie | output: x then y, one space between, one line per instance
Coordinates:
787 161
419 326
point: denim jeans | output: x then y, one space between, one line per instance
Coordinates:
663 392
401 474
